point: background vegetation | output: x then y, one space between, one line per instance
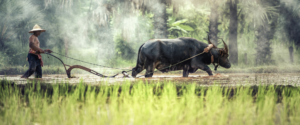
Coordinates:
109 32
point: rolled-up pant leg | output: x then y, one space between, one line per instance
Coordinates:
38 71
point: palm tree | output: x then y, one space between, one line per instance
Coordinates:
259 13
263 16
265 32
233 26
289 21
214 21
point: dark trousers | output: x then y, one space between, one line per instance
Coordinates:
34 66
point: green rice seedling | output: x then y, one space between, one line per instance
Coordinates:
150 102
291 106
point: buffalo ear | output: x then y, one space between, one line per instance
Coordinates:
221 52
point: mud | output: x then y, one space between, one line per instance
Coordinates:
229 79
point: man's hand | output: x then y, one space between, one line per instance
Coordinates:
48 51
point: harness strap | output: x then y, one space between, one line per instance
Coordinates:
213 61
212 58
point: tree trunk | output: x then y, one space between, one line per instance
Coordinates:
233 26
263 45
213 24
160 20
291 50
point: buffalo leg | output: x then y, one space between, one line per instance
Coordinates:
205 68
186 71
137 70
149 69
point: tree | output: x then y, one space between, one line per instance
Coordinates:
213 22
260 17
265 32
233 26
289 20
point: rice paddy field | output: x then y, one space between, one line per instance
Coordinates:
157 101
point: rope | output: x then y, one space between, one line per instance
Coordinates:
174 64
89 63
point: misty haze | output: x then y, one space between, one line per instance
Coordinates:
149 61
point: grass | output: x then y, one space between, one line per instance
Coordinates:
147 103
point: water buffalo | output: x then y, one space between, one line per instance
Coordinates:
161 53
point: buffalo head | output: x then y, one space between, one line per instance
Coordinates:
222 55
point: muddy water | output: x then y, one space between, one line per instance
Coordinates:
228 79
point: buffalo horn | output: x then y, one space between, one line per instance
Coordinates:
225 46
209 42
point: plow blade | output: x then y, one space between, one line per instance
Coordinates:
86 69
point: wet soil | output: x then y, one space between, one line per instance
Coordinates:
228 79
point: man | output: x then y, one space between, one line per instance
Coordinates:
34 55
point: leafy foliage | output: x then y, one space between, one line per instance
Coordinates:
124 49
177 26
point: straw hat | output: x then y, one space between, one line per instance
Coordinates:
36 28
